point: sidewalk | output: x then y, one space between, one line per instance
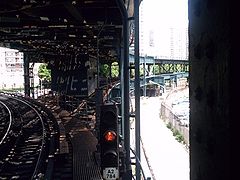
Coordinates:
168 158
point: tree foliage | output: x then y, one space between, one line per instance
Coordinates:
105 70
115 69
44 73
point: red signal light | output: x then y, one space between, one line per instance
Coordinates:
110 136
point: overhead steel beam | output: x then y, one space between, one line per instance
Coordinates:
73 11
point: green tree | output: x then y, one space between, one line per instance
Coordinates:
44 73
156 69
115 69
104 70
141 70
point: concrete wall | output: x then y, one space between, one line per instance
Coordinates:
171 119
210 57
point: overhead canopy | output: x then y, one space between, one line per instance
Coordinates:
47 29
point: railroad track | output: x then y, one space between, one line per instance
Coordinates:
5 121
29 137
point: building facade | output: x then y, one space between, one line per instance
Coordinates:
11 69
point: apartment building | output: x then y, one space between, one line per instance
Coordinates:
11 69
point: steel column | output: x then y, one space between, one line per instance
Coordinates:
26 76
125 88
31 80
137 88
144 77
110 72
98 61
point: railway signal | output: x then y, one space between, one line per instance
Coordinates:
109 141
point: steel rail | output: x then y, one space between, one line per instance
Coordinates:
10 122
38 164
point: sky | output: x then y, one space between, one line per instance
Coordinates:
166 12
159 16
2 49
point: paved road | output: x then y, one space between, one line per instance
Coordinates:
168 158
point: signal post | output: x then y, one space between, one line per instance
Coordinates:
109 141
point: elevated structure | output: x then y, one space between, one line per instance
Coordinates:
73 38
70 36
164 65
54 31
